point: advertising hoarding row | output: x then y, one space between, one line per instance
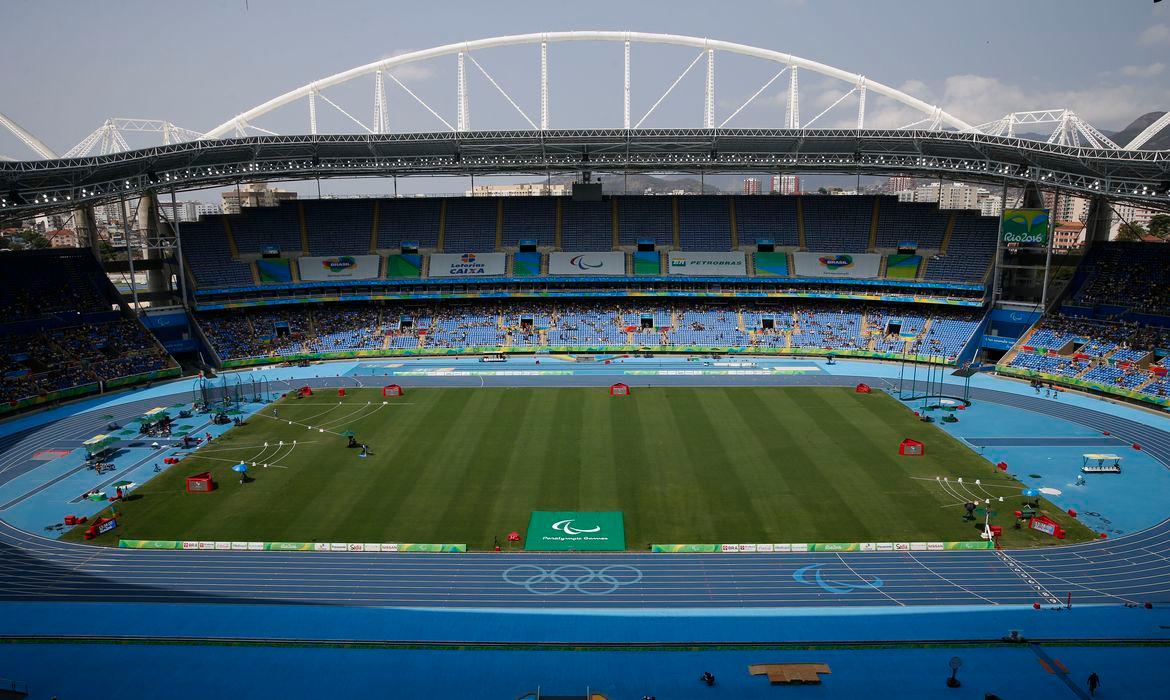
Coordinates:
729 264
591 264
846 265
338 267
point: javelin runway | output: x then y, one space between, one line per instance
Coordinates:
1133 569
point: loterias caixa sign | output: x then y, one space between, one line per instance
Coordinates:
1028 226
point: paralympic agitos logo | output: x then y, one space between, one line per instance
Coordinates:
566 526
581 263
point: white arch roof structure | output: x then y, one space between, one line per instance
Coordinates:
245 118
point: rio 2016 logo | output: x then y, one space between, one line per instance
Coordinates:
338 264
1025 226
836 262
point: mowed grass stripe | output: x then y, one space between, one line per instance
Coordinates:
717 465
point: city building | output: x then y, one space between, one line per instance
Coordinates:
180 211
62 238
253 194
785 184
751 185
1068 235
899 183
202 209
520 189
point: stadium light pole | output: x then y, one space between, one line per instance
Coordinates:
129 251
996 268
179 250
1048 255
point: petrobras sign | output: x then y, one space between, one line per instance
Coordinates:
851 265
467 265
593 264
338 267
730 264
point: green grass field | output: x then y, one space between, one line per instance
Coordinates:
685 465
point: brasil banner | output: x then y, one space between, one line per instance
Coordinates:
559 531
1025 226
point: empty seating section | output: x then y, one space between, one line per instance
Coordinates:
339 227
210 260
970 251
641 218
50 283
531 219
586 226
470 226
766 218
1135 276
837 224
256 228
925 224
328 328
409 219
704 223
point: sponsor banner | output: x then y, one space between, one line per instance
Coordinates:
995 342
467 265
564 530
220 546
288 546
1028 226
688 548
526 264
338 267
949 546
150 544
837 547
274 270
771 264
647 262
850 265
902 266
729 264
449 548
594 264
403 266
935 546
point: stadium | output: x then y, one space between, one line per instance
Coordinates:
563 436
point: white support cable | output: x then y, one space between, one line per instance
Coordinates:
861 103
793 100
462 118
839 101
313 111
83 148
354 119
1093 135
669 89
420 101
753 97
381 122
501 91
544 86
243 126
626 119
911 125
709 101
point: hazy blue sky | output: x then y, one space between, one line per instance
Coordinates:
69 65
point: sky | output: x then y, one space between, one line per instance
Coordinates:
71 65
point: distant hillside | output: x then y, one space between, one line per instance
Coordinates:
1160 142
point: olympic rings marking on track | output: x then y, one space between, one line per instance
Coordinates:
582 579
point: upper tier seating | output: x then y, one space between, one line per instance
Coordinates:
586 226
255 228
704 223
339 226
470 226
1135 276
970 251
641 218
206 251
408 219
766 218
837 224
530 219
922 223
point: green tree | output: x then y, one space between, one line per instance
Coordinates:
1160 226
35 241
1130 232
